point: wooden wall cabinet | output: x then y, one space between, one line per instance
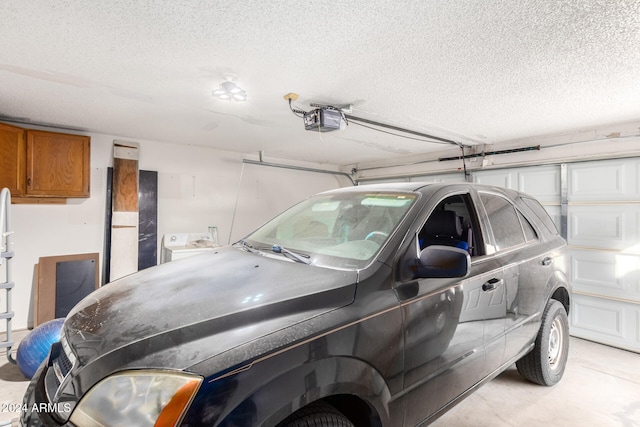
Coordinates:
42 166
57 164
13 161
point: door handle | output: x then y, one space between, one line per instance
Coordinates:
547 261
491 284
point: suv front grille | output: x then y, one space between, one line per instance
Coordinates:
64 363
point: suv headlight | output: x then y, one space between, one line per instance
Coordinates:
137 398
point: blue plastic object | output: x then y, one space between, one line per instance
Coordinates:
34 348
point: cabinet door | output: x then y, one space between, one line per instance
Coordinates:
12 159
57 164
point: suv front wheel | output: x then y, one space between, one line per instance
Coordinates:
319 414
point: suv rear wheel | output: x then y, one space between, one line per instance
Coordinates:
546 362
318 414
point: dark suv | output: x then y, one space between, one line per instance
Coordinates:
375 305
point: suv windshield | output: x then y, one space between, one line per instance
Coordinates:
344 230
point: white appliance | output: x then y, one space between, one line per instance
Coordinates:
181 245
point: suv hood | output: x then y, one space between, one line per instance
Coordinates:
166 316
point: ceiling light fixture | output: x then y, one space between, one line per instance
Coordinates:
230 91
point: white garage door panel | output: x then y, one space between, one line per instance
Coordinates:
604 240
610 180
555 212
500 178
390 180
604 226
610 322
542 182
449 177
611 274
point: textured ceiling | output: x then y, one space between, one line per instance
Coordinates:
481 71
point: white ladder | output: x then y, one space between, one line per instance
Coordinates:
6 255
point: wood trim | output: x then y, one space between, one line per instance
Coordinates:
38 200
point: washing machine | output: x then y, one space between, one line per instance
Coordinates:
181 245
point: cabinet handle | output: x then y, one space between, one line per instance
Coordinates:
29 182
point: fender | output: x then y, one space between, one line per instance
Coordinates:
558 288
304 384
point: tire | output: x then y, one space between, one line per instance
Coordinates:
319 414
545 364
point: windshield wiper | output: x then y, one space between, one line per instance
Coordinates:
304 259
248 247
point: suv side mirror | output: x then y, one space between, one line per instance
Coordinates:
443 262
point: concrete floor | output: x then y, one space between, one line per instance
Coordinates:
600 387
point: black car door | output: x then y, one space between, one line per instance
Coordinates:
524 299
446 319
518 248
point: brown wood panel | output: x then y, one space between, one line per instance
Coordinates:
125 185
44 301
13 151
57 164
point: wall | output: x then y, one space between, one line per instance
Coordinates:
197 186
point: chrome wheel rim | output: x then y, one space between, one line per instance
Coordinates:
556 343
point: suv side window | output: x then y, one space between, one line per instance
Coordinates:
529 231
541 213
505 224
453 222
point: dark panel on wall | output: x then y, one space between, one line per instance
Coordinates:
74 281
106 254
148 219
